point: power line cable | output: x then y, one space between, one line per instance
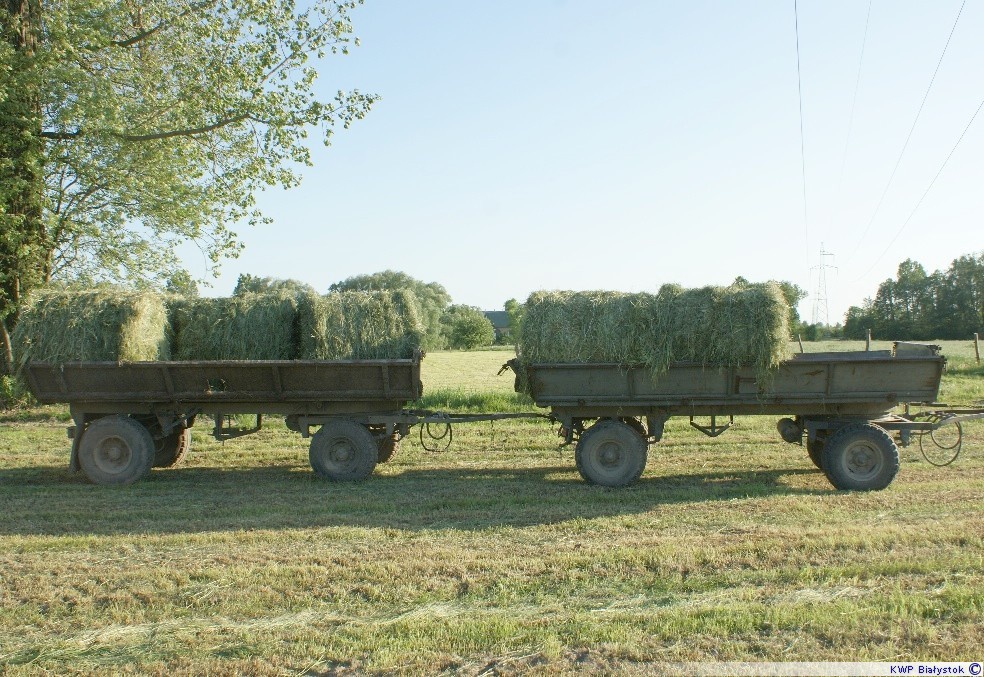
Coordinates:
799 87
854 103
928 188
905 145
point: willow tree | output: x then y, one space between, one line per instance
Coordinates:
128 127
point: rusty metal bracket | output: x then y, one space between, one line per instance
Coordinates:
714 429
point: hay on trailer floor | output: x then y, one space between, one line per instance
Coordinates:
63 326
246 327
359 325
739 326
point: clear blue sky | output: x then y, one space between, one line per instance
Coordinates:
563 144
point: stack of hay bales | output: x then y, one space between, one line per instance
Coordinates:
135 327
359 325
739 326
247 327
61 326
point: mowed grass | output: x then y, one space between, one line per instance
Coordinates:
492 557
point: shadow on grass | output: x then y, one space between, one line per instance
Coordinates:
46 500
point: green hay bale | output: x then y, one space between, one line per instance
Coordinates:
740 326
357 325
247 327
59 326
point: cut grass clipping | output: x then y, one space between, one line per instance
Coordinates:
57 326
739 326
359 325
247 327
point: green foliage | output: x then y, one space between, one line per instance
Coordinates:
433 299
949 304
466 328
181 283
127 129
253 284
514 309
14 394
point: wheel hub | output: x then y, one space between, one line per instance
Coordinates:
342 451
112 454
863 460
610 454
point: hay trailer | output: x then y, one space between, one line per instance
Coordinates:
840 405
131 416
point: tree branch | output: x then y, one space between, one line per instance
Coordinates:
153 136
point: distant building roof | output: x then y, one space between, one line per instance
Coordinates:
498 318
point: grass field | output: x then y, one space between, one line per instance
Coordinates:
492 558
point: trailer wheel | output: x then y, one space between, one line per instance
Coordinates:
343 450
386 447
116 450
814 449
169 451
611 454
860 457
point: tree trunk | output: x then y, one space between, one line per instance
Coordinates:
8 349
21 176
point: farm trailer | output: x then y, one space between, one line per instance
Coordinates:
130 417
840 406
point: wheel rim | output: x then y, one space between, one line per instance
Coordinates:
608 459
863 460
113 454
341 452
609 455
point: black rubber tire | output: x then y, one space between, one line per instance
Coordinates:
611 454
169 450
814 450
343 451
116 450
860 457
387 446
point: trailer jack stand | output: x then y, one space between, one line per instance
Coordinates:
223 432
714 429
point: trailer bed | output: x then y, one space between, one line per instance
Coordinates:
234 386
859 383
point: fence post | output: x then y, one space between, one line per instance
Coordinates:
977 347
867 342
799 337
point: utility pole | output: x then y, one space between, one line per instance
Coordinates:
821 311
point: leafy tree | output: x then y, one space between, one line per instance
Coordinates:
948 304
432 297
247 284
127 128
466 327
514 310
182 283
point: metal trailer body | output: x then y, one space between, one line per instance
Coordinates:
840 404
131 416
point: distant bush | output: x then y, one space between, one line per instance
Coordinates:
466 327
13 394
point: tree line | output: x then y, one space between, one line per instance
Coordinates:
947 304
